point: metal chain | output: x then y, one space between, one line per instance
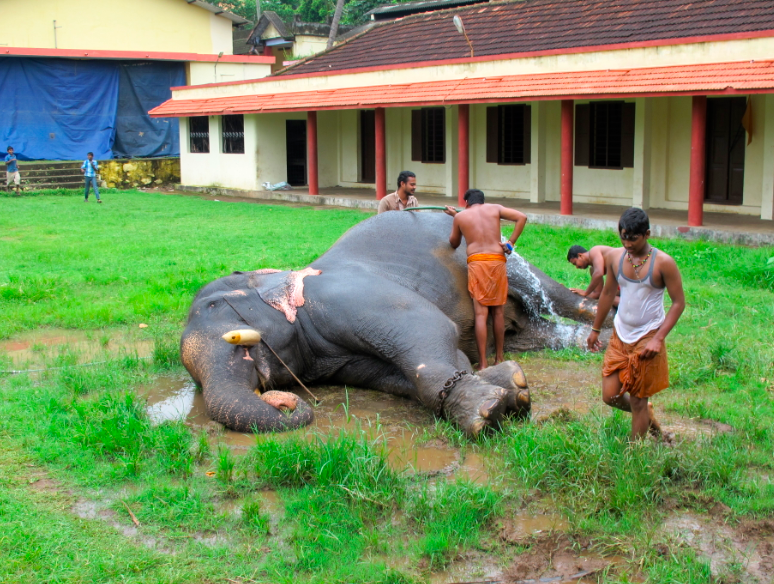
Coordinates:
447 387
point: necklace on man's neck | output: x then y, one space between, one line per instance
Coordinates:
642 263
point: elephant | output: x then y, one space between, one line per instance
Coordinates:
385 308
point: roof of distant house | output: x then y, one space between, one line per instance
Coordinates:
521 27
288 31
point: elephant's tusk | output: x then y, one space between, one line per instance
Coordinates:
246 337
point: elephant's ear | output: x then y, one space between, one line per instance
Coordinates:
287 294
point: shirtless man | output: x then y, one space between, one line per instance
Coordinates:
636 359
479 224
594 259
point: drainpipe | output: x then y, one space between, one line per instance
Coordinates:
311 151
463 152
568 107
698 161
381 153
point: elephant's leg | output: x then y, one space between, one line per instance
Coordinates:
373 373
399 327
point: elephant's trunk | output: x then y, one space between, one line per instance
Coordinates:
228 378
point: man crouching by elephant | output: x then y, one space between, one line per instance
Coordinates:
487 275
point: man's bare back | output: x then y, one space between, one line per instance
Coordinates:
480 226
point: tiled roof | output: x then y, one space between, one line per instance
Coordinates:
525 26
716 78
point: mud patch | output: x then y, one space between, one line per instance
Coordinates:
556 558
565 390
39 349
743 551
397 421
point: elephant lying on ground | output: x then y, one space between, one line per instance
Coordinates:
386 308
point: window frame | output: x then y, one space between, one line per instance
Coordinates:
428 135
233 138
519 134
202 135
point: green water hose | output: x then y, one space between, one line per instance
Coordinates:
429 208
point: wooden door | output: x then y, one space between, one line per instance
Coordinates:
295 138
726 141
367 146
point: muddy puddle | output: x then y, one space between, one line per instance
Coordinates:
382 417
558 388
40 349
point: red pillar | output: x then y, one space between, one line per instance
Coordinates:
568 109
381 153
698 161
463 152
267 52
311 152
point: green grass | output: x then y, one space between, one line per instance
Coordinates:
345 515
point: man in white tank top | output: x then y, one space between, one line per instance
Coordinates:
635 365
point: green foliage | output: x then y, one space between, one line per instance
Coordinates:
453 515
354 12
354 464
254 518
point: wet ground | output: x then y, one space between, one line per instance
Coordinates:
559 388
48 348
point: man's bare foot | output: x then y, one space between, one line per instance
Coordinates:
654 428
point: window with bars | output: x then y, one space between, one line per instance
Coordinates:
508 134
428 135
604 135
234 134
199 134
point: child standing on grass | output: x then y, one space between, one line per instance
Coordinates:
89 169
636 358
12 170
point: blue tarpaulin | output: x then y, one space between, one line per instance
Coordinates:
59 109
142 86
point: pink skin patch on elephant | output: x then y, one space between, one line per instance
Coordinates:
290 294
266 271
282 400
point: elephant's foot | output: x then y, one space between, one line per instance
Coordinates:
510 376
475 404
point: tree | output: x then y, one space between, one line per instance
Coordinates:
335 23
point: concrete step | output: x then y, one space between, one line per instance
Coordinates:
52 179
61 185
55 172
26 166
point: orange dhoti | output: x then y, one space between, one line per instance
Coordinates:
640 377
488 279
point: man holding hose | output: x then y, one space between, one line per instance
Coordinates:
479 224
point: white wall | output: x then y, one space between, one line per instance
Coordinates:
216 169
200 73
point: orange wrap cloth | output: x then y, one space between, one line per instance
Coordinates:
488 279
640 377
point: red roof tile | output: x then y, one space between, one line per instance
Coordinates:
528 26
717 78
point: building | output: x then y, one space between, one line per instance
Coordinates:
666 104
78 75
288 42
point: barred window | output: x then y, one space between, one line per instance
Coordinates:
234 134
604 135
508 134
428 134
199 134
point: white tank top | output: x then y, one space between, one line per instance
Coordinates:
641 308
